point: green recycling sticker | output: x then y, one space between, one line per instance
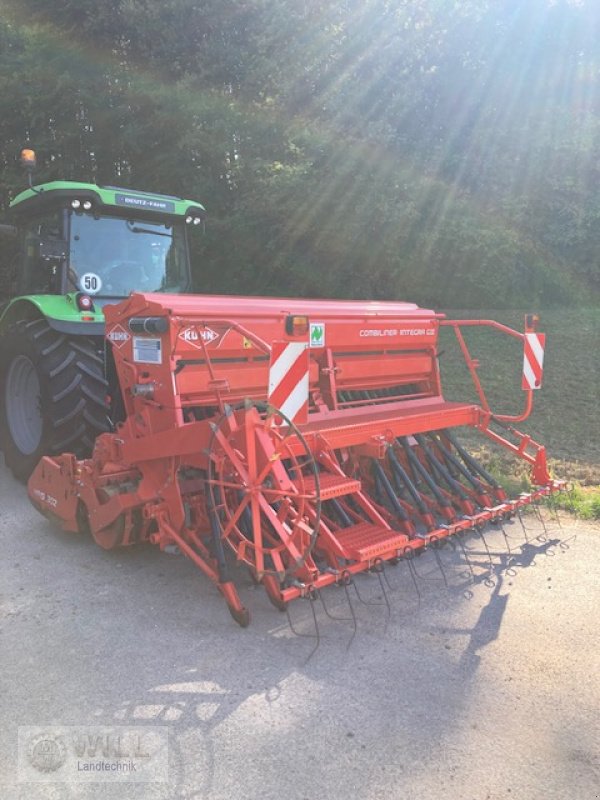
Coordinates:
317 334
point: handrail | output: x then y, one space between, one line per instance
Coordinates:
473 364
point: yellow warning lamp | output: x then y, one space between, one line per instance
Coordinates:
28 159
531 322
296 325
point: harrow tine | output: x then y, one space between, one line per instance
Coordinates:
413 575
506 538
520 518
316 635
379 571
426 577
435 545
479 532
362 600
554 509
467 559
538 513
345 583
328 612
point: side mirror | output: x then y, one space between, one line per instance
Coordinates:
9 231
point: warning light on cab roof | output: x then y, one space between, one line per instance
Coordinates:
28 159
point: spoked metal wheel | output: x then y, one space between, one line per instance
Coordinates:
263 489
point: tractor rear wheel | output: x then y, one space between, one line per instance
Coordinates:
53 395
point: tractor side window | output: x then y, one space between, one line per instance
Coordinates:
41 275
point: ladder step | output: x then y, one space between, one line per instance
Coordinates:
365 541
330 485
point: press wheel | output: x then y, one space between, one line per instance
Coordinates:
263 489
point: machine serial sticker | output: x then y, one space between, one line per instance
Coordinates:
147 351
317 334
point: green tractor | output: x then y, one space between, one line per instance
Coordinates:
81 246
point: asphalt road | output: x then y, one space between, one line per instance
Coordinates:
475 691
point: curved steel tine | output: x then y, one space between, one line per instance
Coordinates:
520 517
467 559
413 575
379 573
554 509
328 613
345 585
506 537
316 635
479 533
538 513
365 602
439 561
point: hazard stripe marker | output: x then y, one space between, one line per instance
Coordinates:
288 379
533 360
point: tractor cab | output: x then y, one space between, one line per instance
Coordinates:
104 242
82 247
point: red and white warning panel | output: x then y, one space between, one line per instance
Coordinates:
533 360
288 379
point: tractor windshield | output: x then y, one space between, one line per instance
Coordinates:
112 256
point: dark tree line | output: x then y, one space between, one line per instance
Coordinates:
443 153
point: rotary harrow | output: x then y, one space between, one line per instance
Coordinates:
311 438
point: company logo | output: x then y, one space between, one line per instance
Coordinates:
196 336
317 334
93 754
144 202
47 752
118 336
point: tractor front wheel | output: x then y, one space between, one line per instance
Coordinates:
53 395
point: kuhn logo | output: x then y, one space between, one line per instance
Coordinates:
196 336
118 336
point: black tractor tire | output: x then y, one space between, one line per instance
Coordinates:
54 395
